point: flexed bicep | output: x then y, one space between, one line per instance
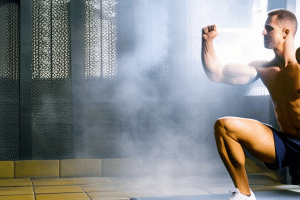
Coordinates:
291 80
234 74
239 74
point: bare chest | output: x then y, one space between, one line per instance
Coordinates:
278 85
287 108
272 79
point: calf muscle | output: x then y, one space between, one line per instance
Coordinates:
234 134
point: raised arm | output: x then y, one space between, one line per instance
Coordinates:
233 74
291 73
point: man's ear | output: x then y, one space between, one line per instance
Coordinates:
285 32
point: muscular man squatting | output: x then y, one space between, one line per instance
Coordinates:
281 76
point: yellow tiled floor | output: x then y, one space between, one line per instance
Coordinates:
57 189
18 197
15 182
63 196
54 182
123 188
15 190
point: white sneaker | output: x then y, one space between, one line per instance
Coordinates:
236 195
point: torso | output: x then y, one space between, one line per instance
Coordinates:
287 109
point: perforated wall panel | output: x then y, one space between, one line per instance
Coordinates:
100 38
9 79
51 80
101 134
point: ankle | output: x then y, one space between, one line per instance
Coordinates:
246 192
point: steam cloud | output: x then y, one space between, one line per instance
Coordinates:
166 104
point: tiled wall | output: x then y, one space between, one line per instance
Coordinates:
70 168
117 167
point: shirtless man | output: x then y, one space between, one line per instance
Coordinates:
281 76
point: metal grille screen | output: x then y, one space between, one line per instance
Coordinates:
9 79
51 80
100 38
101 132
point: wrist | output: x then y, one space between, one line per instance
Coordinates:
206 40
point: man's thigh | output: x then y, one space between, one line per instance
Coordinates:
253 135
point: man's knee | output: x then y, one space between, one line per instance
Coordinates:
221 123
219 128
225 126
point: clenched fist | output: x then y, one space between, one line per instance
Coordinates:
209 32
298 55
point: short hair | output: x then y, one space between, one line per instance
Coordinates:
283 15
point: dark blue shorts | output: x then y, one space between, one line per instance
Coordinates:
287 151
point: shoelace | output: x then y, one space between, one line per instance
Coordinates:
234 193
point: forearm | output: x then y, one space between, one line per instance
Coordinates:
291 77
292 68
210 62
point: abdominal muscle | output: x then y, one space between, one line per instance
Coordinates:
288 117
287 110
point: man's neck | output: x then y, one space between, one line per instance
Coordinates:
278 61
282 60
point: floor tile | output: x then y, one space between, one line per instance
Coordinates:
138 187
98 188
81 181
102 181
55 181
15 190
183 191
18 197
226 189
66 196
219 189
143 193
112 194
15 182
198 182
57 189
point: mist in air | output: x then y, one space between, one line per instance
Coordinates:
164 104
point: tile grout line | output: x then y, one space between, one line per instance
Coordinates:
85 193
58 186
34 196
123 192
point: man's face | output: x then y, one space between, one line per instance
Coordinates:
273 33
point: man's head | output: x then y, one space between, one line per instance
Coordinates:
280 24
285 17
